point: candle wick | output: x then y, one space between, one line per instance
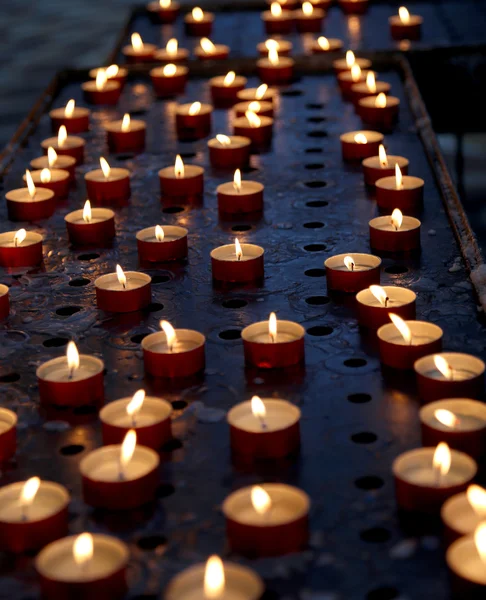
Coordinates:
273 338
71 372
16 242
438 479
238 257
262 423
24 516
386 301
124 285
352 266
121 473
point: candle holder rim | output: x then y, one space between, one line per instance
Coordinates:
94 457
362 86
109 86
135 125
169 172
80 110
38 238
191 334
107 277
404 290
238 80
284 62
416 182
154 401
391 101
158 72
4 289
259 188
395 20
232 413
413 325
421 366
346 75
11 417
376 260
72 216
116 173
58 360
455 547
400 462
162 54
260 251
182 232
122 72
207 16
60 172
72 141
375 221
41 195
57 488
426 412
281 325
378 137
147 48
69 161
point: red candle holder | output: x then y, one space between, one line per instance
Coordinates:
113 73
462 376
114 294
112 187
344 64
325 44
74 118
406 27
356 145
375 167
162 244
269 534
385 237
198 23
353 7
258 129
56 180
269 351
107 94
278 72
352 273
63 163
138 51
165 13
237 263
169 81
183 357
364 90
126 135
237 197
209 51
262 109
16 252
379 111
263 93
272 435
70 146
95 229
181 183
8 429
4 313
224 89
373 308
193 121
21 206
229 152
408 196
277 21
283 47
398 352
348 79
466 569
309 19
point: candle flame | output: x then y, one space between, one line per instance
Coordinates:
307 9
51 156
83 549
179 167
207 46
101 79
127 449
480 541
446 417
379 293
125 126
62 136
275 9
105 167
261 91
170 334
224 140
350 59
380 100
172 47
122 278
195 108
442 459
238 249
360 138
197 14
397 218
443 367
237 180
136 403
19 237
272 44
323 43
45 176
254 106
29 491
214 580
402 327
371 82
72 356
165 3
349 262
112 71
476 497
258 408
137 42
169 70
272 327
260 500
30 183
87 212
253 119
229 79
356 73
382 155
273 57
404 15
69 110
398 178
159 233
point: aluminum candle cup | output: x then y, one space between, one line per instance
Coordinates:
73 146
373 313
279 23
185 189
21 206
284 47
252 94
36 524
264 109
202 27
320 46
276 74
59 182
361 90
353 7
275 435
131 140
226 266
466 569
282 529
385 238
191 125
465 432
365 272
460 517
152 422
224 92
8 434
398 353
232 155
418 486
374 169
340 65
113 296
27 253
61 578
465 377
77 122
164 14
4 307
248 198
383 117
172 246
356 145
260 134
108 95
408 197
99 231
408 29
285 349
186 357
115 188
169 85
63 163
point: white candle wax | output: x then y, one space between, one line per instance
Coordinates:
228 252
428 476
103 464
458 514
58 370
171 234
7 239
396 296
280 414
463 558
116 173
50 499
153 410
471 414
134 281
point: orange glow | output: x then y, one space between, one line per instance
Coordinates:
137 42
122 278
371 82
112 71
380 100
253 119
127 450
207 46
214 580
179 167
135 404
398 178
273 57
45 176
72 357
397 218
62 136
87 212
379 293
69 110
172 47
360 138
261 91
258 408
101 79
159 233
224 140
195 108
272 44
446 417
83 549
169 70
164 4
276 9
51 156
30 183
197 14
307 9
105 167
238 249
480 541
260 500
323 43
29 491
350 59
443 367
402 327
476 497
19 237
442 460
170 334
237 180
254 106
382 155
125 126
272 327
355 73
404 15
349 262
229 78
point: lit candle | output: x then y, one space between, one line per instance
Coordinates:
382 165
353 7
356 145
348 79
237 262
259 129
174 353
352 272
20 249
181 183
102 90
125 135
84 566
325 44
229 152
309 18
75 118
370 87
450 375
122 292
277 21
172 53
164 11
374 303
91 226
405 26
169 80
138 51
381 111
275 69
199 23
193 121
30 203
107 184
462 513
209 51
273 344
64 145
8 433
224 88
56 180
112 73
466 560
264 428
267 520
150 417
238 196
4 313
33 513
162 244
55 161
400 191
345 64
285 4
261 93
426 477
283 47
401 342
395 234
260 108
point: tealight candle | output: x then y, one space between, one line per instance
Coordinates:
173 353
324 44
381 111
275 69
56 180
30 203
352 272
309 18
224 88
172 53
199 23
20 248
113 73
267 520
120 476
74 118
283 47
259 129
229 152
108 184
122 292
215 579
53 161
405 26
237 262
169 81
237 196
193 121
353 7
348 79
374 303
4 312
370 87
356 145
209 51
399 191
466 560
33 513
402 342
277 21
462 513
64 145
271 344
83 567
181 183
91 226
8 433
261 93
138 51
166 11
382 165
426 477
458 421
260 108
345 64
147 415
125 135
450 375
102 90
394 234
162 244
72 380
264 428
